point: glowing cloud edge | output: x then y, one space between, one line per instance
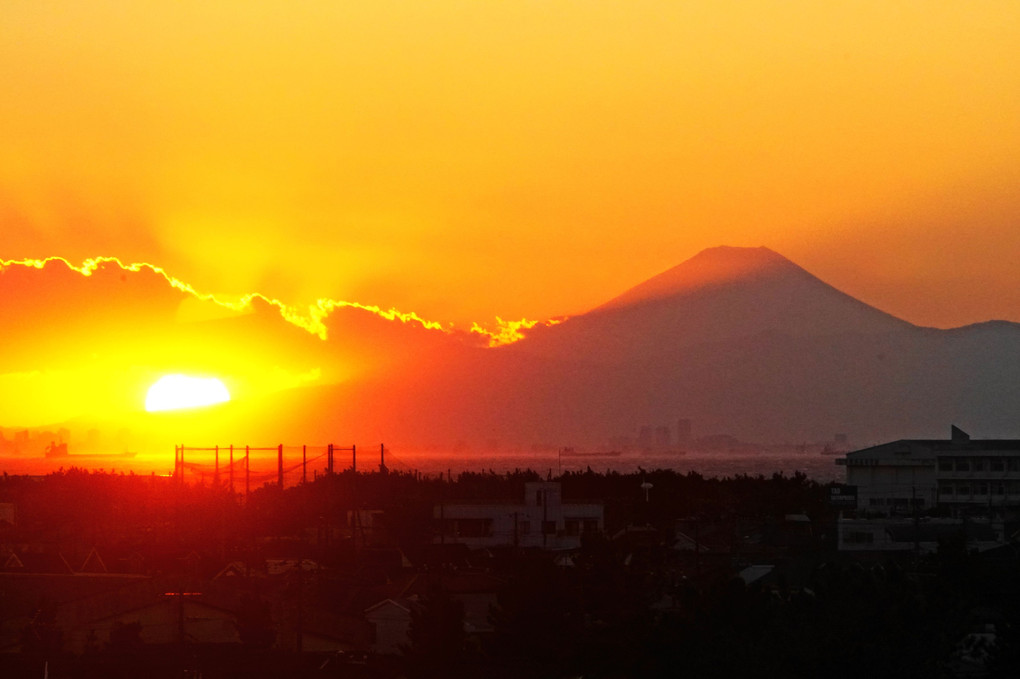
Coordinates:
312 320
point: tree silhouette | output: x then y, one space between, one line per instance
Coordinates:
437 636
255 623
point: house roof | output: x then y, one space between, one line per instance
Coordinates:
93 563
958 443
36 562
404 605
755 573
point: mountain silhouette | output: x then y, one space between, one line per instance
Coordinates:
721 294
739 341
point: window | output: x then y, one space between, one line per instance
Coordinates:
998 464
474 528
963 465
945 464
978 464
982 489
549 528
524 527
538 498
572 527
946 490
859 537
591 526
963 490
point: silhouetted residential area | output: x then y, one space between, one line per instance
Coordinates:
520 574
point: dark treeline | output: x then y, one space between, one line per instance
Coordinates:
96 507
629 603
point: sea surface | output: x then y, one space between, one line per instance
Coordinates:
263 466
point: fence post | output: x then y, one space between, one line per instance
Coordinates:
247 473
279 466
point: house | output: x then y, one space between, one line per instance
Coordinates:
163 622
542 520
391 620
476 591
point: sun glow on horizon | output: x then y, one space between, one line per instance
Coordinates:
176 392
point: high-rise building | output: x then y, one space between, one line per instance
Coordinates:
683 430
663 438
644 439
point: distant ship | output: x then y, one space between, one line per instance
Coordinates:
60 450
56 450
570 452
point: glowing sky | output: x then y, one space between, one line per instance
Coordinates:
468 159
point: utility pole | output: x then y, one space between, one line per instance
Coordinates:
442 510
545 518
179 464
247 473
180 616
917 529
300 608
279 466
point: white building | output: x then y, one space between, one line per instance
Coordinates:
958 473
920 535
542 520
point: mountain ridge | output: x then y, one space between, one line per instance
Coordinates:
709 266
720 294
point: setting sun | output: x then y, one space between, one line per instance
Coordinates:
174 392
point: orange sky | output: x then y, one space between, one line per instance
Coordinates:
470 159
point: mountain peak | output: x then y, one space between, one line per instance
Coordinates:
711 267
723 294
